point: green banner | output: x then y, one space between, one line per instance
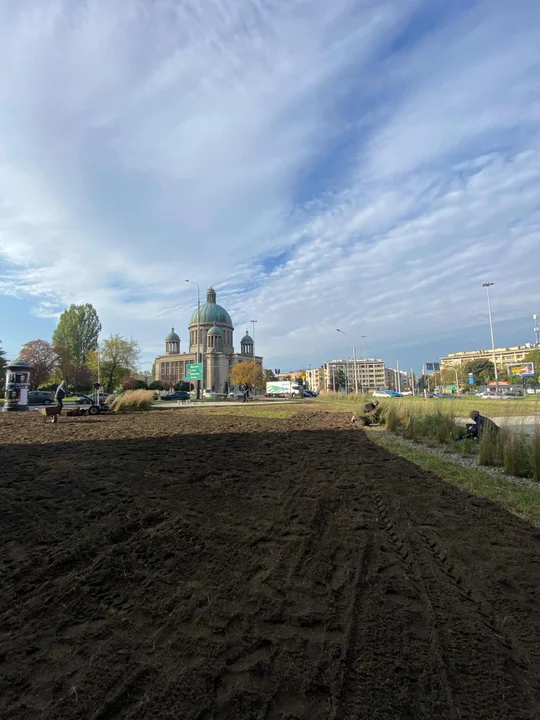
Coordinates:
194 371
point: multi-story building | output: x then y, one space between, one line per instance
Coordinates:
315 379
369 374
503 356
291 375
396 379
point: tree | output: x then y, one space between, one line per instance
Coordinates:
269 375
156 385
482 371
118 358
247 373
3 363
78 331
182 385
339 379
41 355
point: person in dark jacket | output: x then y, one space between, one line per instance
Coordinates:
480 424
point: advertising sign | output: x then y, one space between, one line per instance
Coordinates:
521 369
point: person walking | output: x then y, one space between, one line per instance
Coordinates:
62 392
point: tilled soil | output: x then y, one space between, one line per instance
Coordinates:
194 566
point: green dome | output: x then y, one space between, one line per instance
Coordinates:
215 331
211 312
247 339
172 337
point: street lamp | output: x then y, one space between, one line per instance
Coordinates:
487 285
253 351
346 358
198 332
536 329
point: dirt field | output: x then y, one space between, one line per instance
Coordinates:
195 566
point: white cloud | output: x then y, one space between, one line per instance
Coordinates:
144 143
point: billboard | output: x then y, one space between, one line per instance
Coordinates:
521 369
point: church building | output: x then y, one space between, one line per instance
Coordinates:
216 346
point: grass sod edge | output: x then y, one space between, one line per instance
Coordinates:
521 501
460 407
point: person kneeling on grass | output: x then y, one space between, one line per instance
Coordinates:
371 414
479 425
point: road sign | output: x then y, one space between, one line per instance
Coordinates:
194 371
521 369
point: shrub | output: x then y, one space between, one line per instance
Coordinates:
489 448
392 417
133 400
516 453
535 453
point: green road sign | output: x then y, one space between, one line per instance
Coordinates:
194 371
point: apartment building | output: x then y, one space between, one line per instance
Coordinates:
396 379
315 379
366 374
503 356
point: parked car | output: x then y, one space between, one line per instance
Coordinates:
178 395
40 397
386 393
90 400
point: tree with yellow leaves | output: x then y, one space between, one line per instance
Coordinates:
247 373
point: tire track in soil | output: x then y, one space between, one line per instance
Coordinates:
469 643
408 588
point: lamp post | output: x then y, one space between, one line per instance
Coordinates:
487 285
536 329
253 350
346 359
198 332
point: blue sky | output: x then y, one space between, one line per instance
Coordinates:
361 164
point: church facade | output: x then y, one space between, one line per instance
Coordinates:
216 346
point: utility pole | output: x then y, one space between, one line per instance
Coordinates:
487 285
346 359
198 332
355 370
398 377
536 329
253 349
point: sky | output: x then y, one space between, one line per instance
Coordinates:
355 164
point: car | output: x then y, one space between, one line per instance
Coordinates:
40 397
178 395
90 400
386 393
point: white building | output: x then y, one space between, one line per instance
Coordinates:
396 379
365 375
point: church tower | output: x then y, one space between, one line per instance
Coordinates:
172 343
246 345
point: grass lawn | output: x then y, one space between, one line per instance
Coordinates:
460 407
520 500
